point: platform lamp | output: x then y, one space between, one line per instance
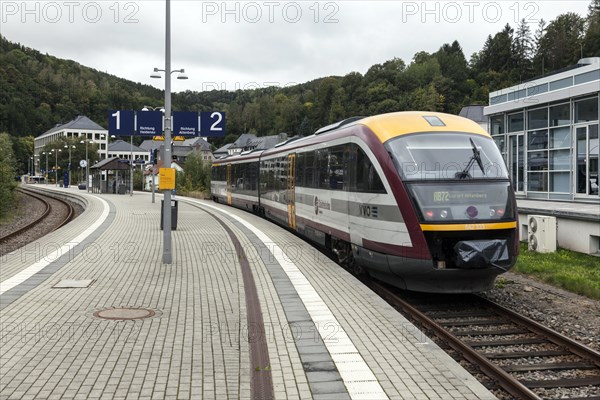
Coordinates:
70 147
46 170
167 161
87 163
56 151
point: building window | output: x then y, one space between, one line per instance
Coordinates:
497 125
560 115
586 110
561 83
515 122
537 118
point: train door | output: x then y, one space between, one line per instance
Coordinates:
228 184
291 197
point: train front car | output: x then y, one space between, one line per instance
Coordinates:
453 190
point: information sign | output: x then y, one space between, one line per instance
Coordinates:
166 179
185 123
212 124
121 122
149 123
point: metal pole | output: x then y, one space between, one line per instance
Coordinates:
167 259
56 168
131 168
46 172
152 173
69 165
87 166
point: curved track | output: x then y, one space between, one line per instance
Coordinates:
524 358
48 210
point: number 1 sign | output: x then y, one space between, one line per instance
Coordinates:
121 122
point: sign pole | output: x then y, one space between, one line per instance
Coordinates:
131 168
167 259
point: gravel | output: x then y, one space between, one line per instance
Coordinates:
572 315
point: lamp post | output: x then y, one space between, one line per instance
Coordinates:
56 151
69 170
46 170
30 165
167 159
87 164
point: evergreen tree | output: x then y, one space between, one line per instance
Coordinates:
561 45
591 40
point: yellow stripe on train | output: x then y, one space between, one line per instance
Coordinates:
469 227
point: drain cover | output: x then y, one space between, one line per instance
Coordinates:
72 283
124 313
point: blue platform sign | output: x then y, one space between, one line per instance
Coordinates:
149 123
121 122
212 124
185 123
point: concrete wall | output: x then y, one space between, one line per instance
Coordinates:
574 234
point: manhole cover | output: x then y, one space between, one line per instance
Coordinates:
124 313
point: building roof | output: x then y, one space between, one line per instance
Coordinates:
150 144
111 163
124 147
223 149
474 113
80 123
265 142
243 140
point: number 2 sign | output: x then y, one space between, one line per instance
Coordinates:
212 124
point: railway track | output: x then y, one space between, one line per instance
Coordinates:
524 358
50 209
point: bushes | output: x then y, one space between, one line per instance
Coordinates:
7 175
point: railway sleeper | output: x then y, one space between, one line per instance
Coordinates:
509 331
561 383
526 354
548 367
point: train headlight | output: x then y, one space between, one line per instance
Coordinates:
443 213
492 212
429 214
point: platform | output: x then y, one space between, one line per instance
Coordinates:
190 331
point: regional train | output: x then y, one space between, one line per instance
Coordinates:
420 200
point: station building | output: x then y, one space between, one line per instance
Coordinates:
547 131
81 128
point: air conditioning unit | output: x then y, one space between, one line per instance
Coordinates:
541 232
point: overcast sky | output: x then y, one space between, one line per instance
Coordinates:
231 45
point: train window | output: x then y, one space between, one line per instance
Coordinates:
309 170
253 175
366 179
322 172
299 178
446 155
336 168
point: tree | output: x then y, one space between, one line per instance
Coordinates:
561 44
522 50
591 39
7 175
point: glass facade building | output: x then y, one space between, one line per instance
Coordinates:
547 131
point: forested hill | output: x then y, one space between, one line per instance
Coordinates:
37 90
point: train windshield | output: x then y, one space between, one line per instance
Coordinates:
447 156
